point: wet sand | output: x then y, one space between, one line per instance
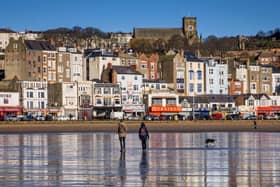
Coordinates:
153 126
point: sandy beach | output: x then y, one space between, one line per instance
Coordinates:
153 126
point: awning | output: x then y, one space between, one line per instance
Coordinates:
10 109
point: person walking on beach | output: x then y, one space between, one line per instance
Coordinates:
255 124
143 135
122 129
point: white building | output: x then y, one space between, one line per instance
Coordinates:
242 75
5 35
85 99
96 61
34 97
76 63
216 77
194 78
63 99
106 99
276 82
131 82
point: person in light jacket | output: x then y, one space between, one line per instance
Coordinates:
122 129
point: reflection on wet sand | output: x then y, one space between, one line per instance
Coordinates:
173 159
122 168
144 167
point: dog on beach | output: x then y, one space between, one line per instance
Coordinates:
209 141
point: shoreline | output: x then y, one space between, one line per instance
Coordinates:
133 126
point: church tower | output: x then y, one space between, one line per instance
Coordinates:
190 30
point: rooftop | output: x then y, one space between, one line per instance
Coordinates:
125 70
39 45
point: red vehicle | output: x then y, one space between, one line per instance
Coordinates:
217 116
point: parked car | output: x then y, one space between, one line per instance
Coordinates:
165 117
250 117
62 118
271 117
150 117
199 116
217 116
49 117
11 118
232 117
179 117
40 118
133 117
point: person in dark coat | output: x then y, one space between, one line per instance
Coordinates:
143 135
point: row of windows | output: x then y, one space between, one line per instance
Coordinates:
191 87
191 75
107 101
159 101
41 105
32 94
135 77
211 72
133 98
105 91
156 86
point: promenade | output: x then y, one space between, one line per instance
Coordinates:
153 126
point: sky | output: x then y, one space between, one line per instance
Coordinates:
214 17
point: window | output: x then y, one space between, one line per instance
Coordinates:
210 71
116 90
191 74
158 86
42 105
107 102
97 90
191 87
199 75
117 102
251 102
180 74
30 94
135 77
135 87
123 78
199 88
99 101
39 58
124 98
41 94
107 91
144 66
211 81
156 101
170 101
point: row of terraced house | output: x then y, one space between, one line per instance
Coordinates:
41 79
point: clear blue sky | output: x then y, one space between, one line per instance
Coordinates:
215 17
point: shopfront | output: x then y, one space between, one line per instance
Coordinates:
268 110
